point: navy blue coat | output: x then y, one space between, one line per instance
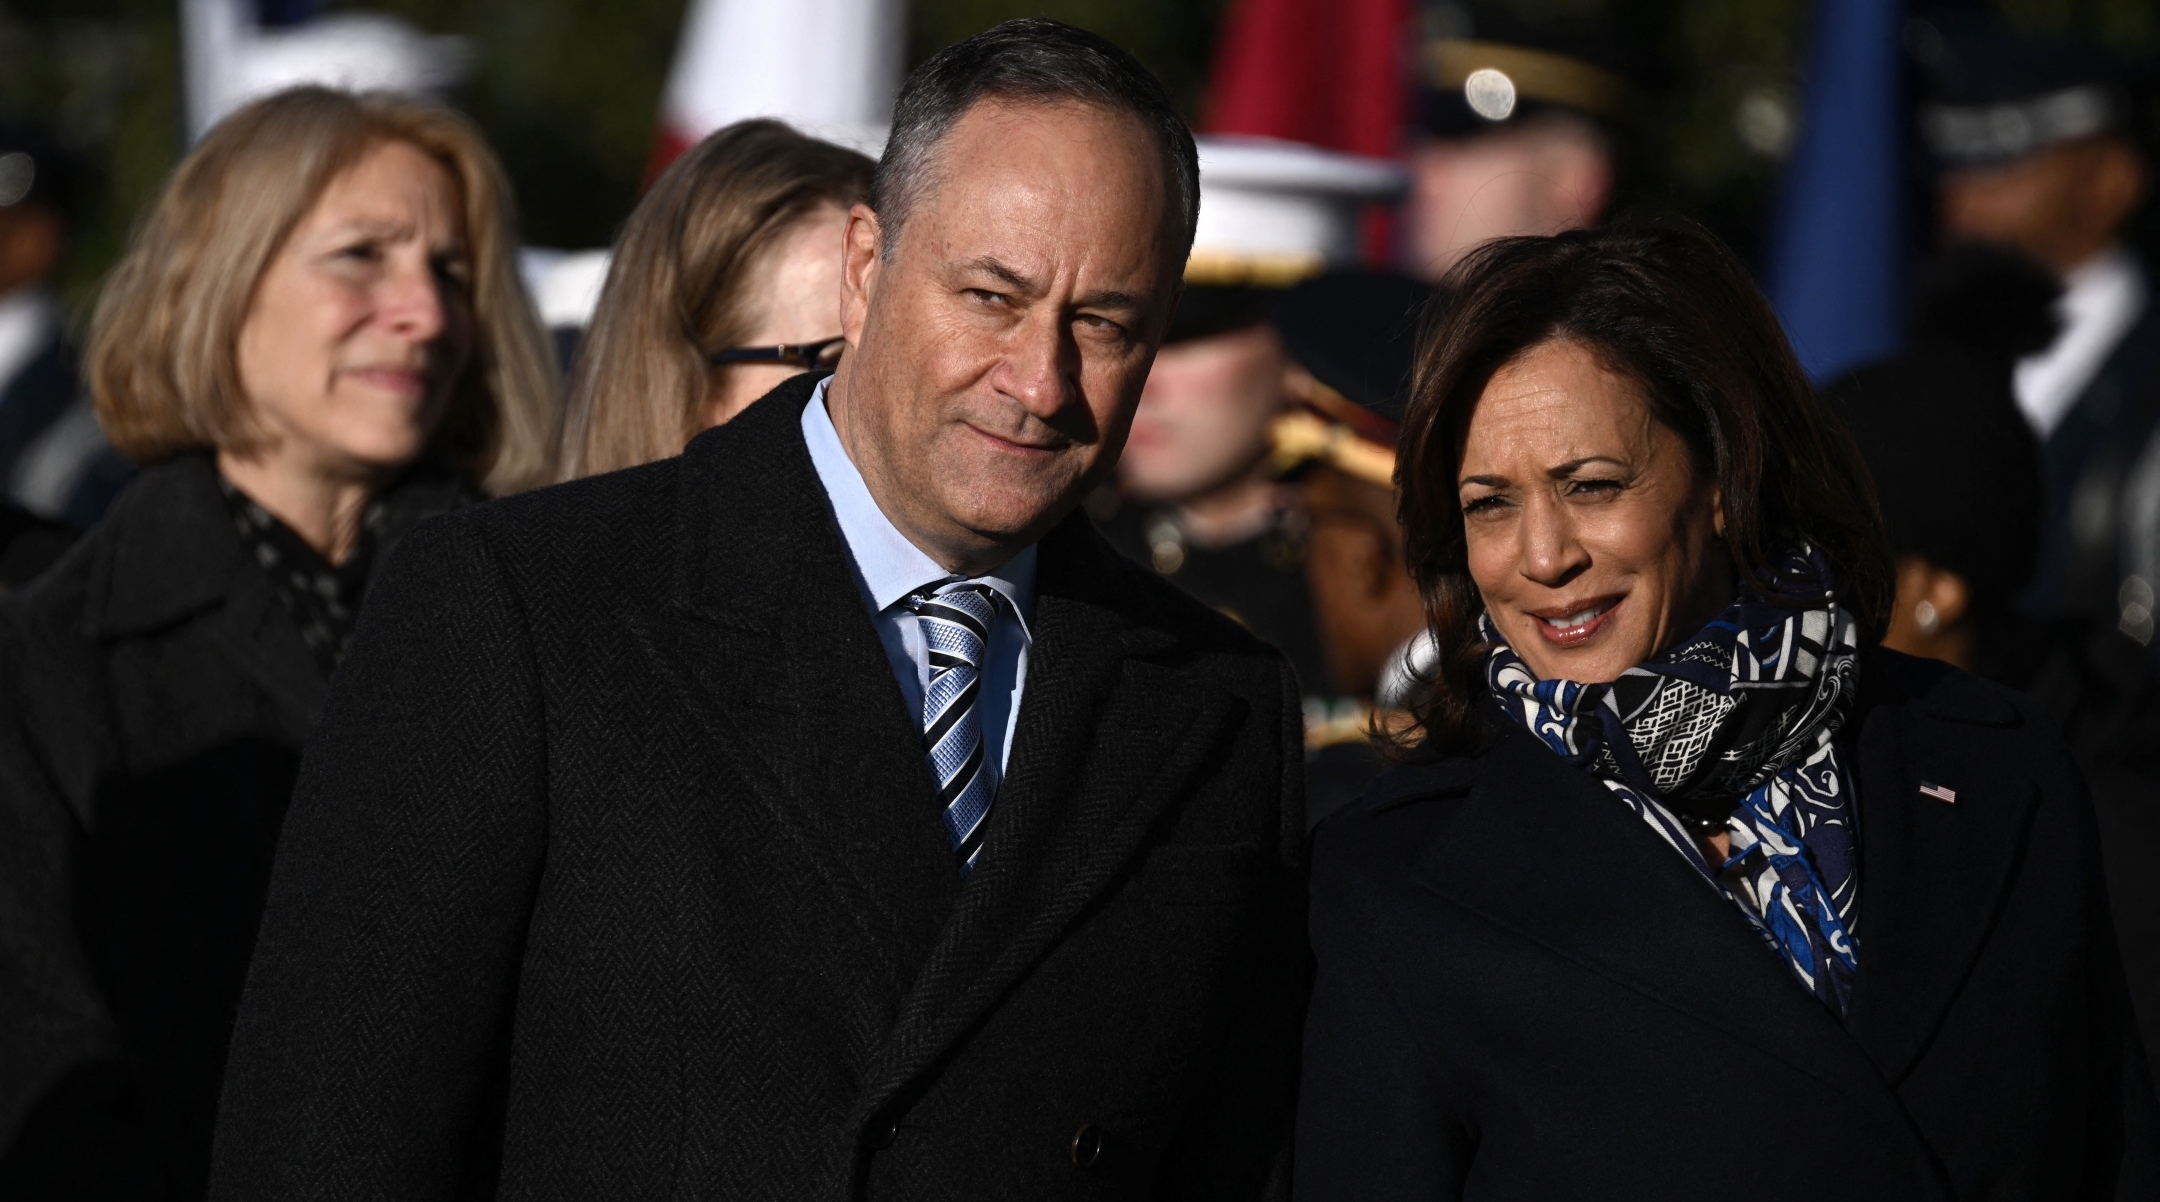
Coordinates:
1524 993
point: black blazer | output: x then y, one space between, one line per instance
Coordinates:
1524 993
616 871
154 697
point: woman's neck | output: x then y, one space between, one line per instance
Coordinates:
324 510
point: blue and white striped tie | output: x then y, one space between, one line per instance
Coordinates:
956 632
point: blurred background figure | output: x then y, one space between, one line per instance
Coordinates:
2037 147
725 282
1513 132
1195 500
1349 337
38 369
1958 473
738 60
317 340
239 50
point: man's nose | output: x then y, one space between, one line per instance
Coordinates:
1039 363
1551 552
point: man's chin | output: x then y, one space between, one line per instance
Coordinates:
1015 516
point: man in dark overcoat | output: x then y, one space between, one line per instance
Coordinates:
829 812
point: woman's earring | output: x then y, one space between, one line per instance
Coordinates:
1924 613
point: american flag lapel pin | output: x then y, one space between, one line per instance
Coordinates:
1939 793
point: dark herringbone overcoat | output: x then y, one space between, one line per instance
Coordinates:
616 871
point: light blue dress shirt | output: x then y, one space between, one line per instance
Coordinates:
889 569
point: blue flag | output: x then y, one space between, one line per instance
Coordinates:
1837 258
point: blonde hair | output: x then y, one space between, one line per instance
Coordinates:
677 288
162 363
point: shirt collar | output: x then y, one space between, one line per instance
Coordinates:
889 566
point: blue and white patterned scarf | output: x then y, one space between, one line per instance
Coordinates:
1740 722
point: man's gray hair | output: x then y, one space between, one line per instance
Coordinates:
1029 59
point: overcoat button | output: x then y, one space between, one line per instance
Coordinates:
1087 1145
882 1132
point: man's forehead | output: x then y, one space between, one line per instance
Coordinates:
1009 192
1023 119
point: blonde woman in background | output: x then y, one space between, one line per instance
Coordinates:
725 282
316 341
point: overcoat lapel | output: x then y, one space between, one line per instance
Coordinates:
257 631
1932 873
1543 851
774 652
1105 741
176 559
778 660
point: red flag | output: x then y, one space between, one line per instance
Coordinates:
1326 72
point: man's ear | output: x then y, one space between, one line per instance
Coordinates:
861 260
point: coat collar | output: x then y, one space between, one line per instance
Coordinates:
1932 873
775 651
775 634
1541 850
171 552
171 557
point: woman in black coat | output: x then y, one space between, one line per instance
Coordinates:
1688 889
318 340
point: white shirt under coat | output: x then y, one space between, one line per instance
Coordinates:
2101 300
889 569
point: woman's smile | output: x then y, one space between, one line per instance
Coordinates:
1575 624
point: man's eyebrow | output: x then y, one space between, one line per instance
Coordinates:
1011 277
990 265
1112 299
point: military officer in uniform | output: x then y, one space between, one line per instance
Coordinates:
1194 499
2038 152
37 360
1517 130
1350 337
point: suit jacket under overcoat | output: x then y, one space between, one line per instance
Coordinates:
1523 993
616 871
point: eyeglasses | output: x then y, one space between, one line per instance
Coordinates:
823 353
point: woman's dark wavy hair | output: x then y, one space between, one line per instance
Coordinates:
1669 307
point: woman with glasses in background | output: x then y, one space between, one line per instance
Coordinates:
725 282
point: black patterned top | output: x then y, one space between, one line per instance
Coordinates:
323 598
